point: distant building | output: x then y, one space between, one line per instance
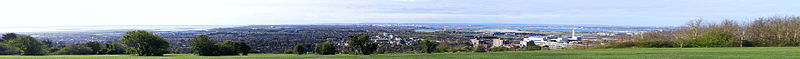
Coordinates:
497 43
536 39
475 42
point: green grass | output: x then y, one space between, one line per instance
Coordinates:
624 53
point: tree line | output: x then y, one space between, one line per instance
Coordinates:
779 31
143 43
138 42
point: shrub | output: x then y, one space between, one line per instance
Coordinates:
6 49
76 49
479 48
326 48
29 45
498 49
144 43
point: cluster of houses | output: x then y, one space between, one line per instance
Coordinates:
389 39
550 41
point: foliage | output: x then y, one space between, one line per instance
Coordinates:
226 49
361 44
114 48
236 47
6 49
497 49
204 46
29 45
76 49
530 45
8 36
479 48
326 48
144 43
96 47
765 31
300 49
428 45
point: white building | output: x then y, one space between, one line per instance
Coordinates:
497 43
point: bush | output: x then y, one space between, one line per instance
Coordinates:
428 46
204 46
361 44
300 49
326 48
29 45
6 49
75 49
479 48
498 49
532 46
114 48
144 43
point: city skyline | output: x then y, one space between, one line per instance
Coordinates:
277 12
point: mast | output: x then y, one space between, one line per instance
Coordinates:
573 32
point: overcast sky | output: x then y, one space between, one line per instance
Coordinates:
264 12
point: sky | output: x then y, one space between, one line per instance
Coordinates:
273 12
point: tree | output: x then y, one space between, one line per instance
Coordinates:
227 49
76 49
479 48
6 49
29 45
428 45
299 49
326 48
8 36
204 46
360 43
532 46
96 47
144 43
244 48
114 48
237 46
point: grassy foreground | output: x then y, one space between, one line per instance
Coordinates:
625 53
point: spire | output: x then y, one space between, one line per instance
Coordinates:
573 32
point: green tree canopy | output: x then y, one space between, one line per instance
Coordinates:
144 43
428 45
204 46
6 49
326 48
96 47
8 36
530 45
361 44
300 49
75 49
29 45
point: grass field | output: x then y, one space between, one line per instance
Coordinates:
625 53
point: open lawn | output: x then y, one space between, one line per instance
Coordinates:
627 53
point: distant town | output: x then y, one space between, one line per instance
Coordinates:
392 38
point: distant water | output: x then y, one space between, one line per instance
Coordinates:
425 30
115 27
550 29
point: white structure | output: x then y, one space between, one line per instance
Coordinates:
536 39
497 43
548 41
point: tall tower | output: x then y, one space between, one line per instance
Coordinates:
573 32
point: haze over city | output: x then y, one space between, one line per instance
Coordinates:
272 12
